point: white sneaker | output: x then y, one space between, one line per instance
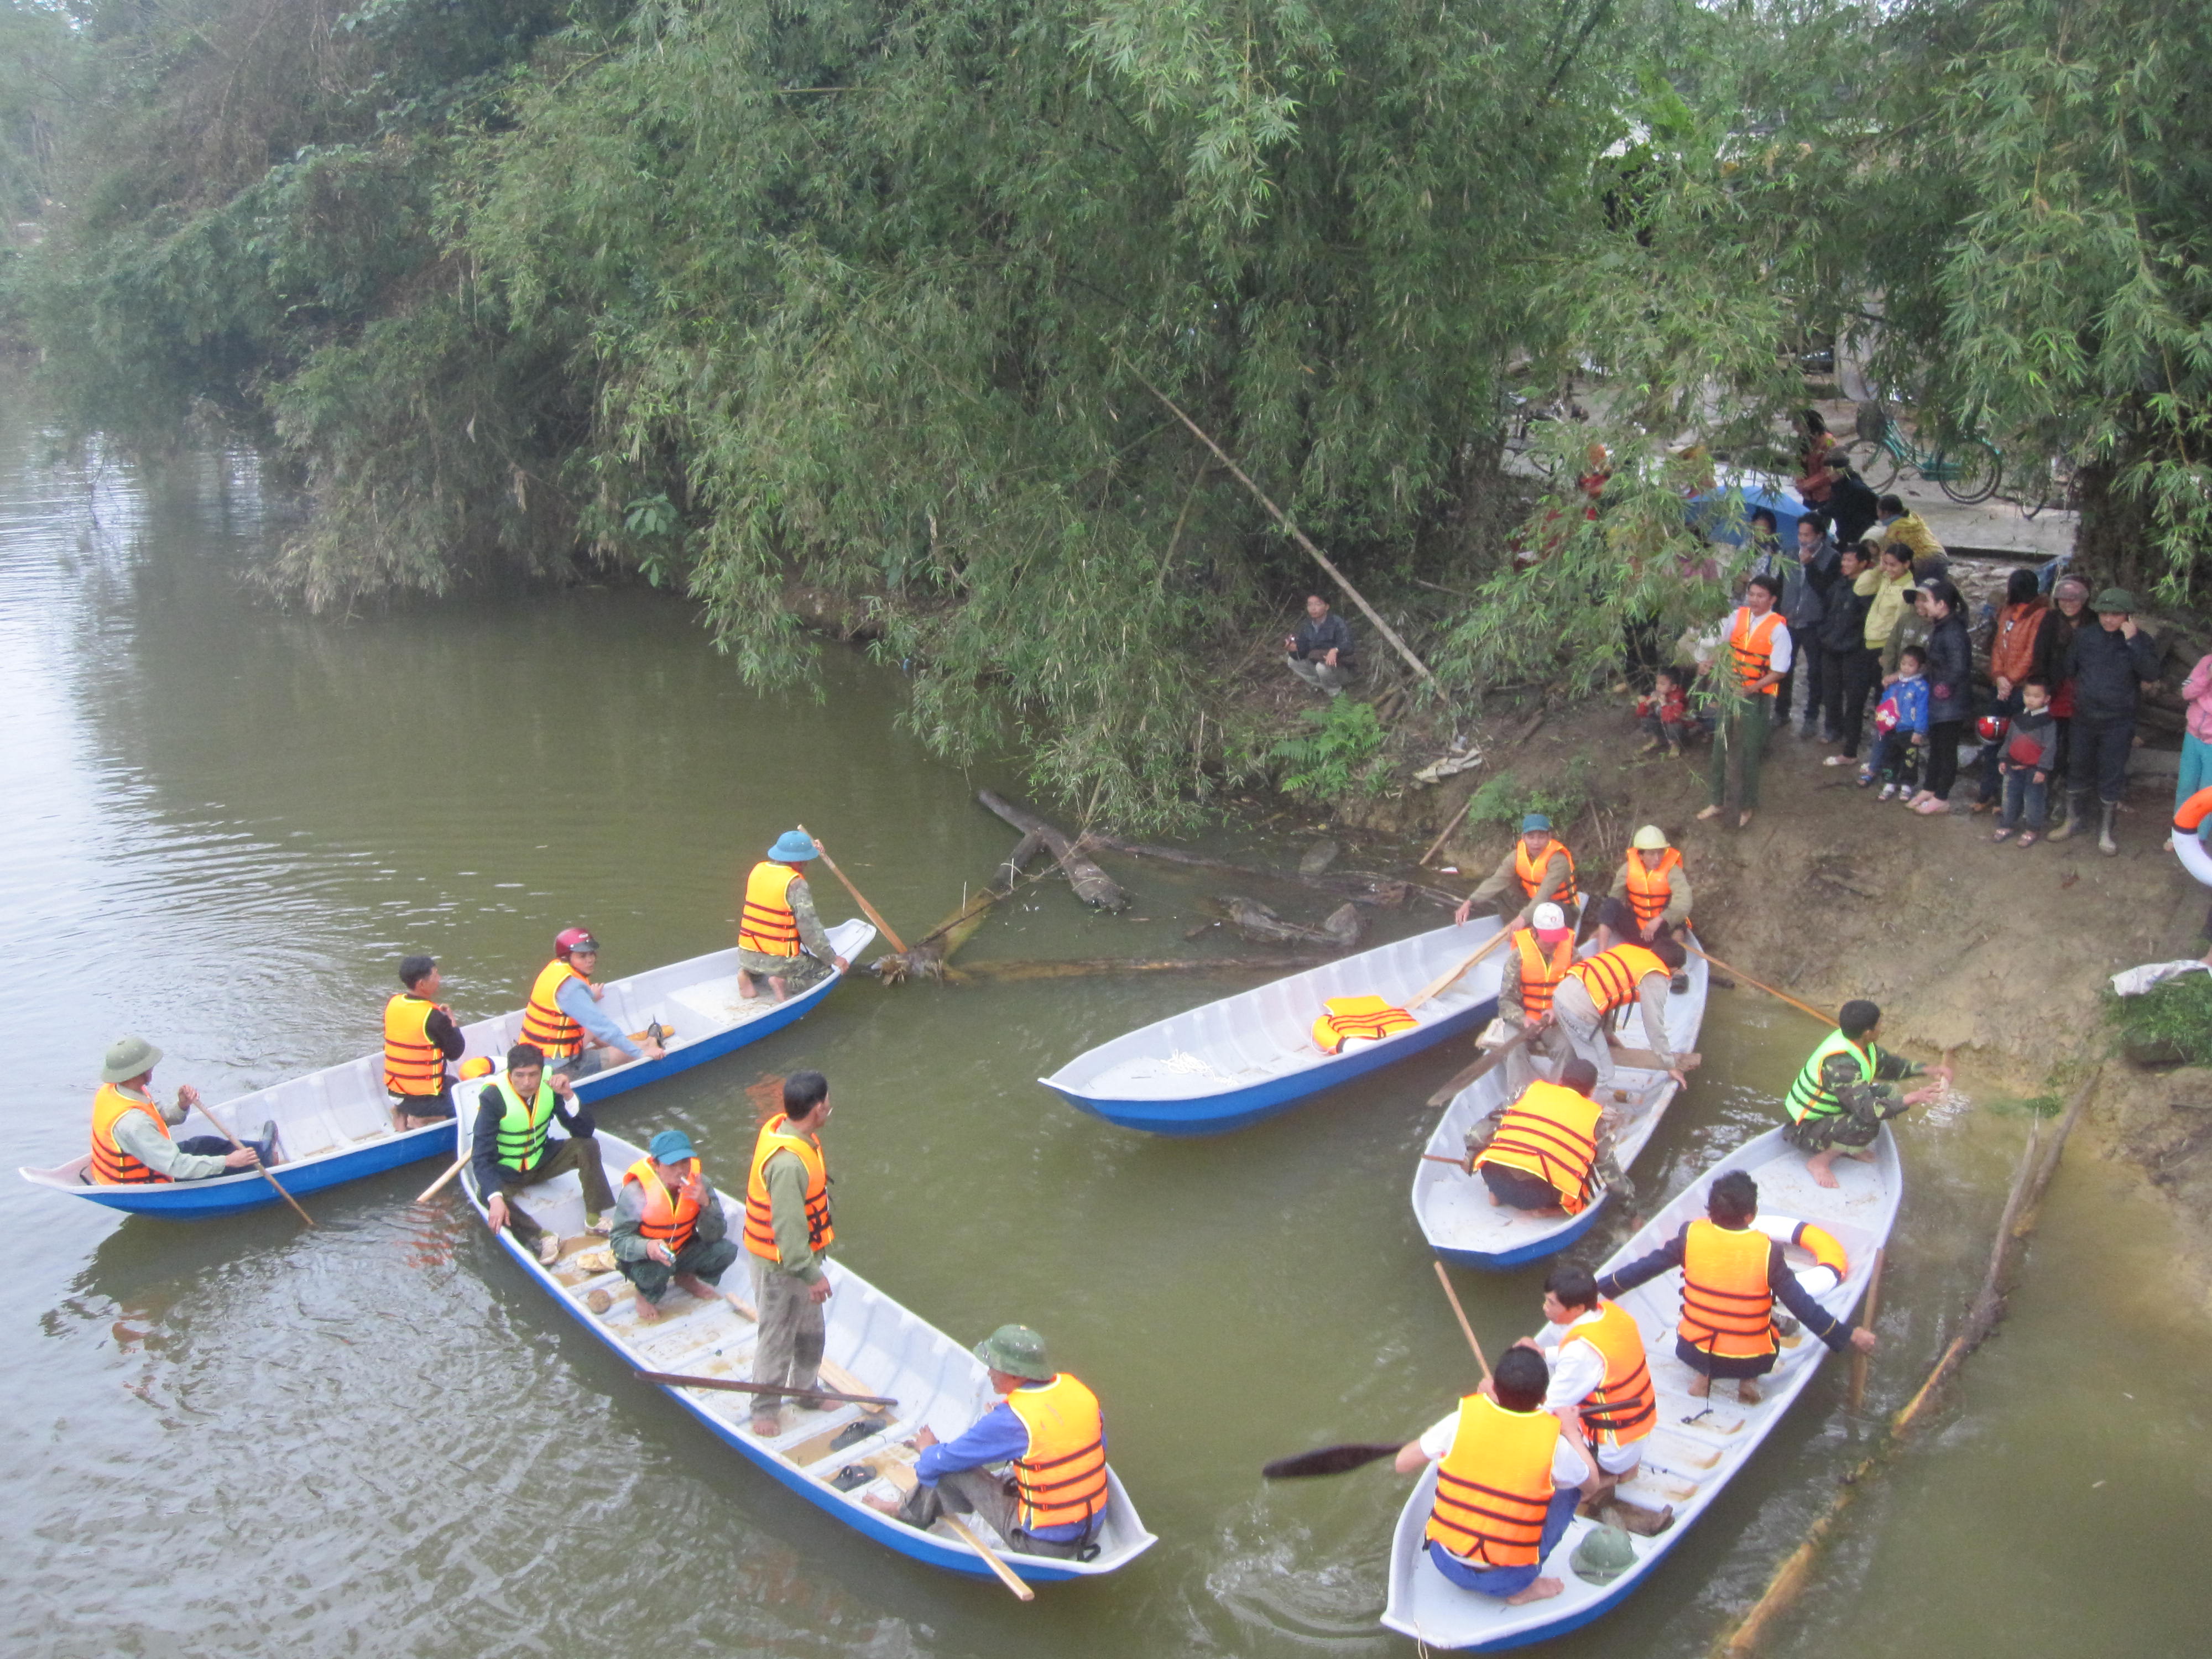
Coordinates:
1888 792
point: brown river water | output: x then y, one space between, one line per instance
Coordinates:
226 823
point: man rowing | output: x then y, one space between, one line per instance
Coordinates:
1510 1475
512 1147
1600 1378
130 1140
1597 987
1843 1093
1650 893
669 1227
563 1021
1049 1433
420 1040
1537 959
1549 1150
1732 1275
788 1231
1537 865
780 937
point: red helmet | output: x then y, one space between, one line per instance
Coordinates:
1992 727
570 940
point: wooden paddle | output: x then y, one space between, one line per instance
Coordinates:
867 909
1481 1067
1329 1460
676 1380
1006 1574
438 1185
208 1112
1866 1318
1826 1019
1443 982
1444 1279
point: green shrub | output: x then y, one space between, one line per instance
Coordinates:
1505 799
1342 757
2171 1022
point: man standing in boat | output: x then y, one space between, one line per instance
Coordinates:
1509 1479
1048 1431
1537 867
131 1139
1600 1378
420 1040
776 921
1843 1092
669 1226
1732 1276
563 1021
512 1148
788 1232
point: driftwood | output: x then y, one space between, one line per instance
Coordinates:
1263 926
1011 971
1363 886
935 949
1092 885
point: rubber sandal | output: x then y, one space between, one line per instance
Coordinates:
2002 835
2027 838
1840 760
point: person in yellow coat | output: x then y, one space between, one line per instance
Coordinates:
781 938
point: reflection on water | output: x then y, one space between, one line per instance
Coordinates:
226 822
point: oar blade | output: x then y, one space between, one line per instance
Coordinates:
1328 1460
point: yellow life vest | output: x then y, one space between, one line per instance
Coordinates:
111 1165
1550 1132
1728 1309
1494 1485
556 1035
413 1064
760 1215
1530 871
1541 975
1358 1017
767 924
1611 976
669 1217
1650 890
1061 1478
1623 1408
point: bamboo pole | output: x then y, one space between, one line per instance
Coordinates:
208 1112
1826 1019
1445 832
1444 1279
859 898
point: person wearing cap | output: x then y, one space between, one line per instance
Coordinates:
564 1022
1650 893
788 1230
2111 666
1909 530
1508 1480
131 1139
1596 987
1949 658
512 1147
669 1226
1760 651
419 1041
1537 865
779 936
1844 1092
1320 653
1549 1151
1537 959
1049 1433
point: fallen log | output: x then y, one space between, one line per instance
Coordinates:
1092 885
1263 926
1365 886
935 949
1021 970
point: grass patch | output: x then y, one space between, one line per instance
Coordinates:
1505 799
2170 1022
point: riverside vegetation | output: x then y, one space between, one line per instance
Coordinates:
734 295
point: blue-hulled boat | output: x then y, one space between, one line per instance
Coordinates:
1247 1057
334 1125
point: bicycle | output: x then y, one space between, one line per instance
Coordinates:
1968 474
2059 485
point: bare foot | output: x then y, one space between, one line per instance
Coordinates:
881 1504
647 1313
1817 1167
1542 1590
1710 812
1743 821
1700 1386
692 1284
1747 1391
767 1427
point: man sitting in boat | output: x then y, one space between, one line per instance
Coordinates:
1732 1274
1597 987
1508 1478
1600 1378
131 1139
1049 1433
563 1021
779 936
1536 867
1843 1092
420 1040
511 1149
788 1230
1650 893
1537 959
1549 1150
669 1226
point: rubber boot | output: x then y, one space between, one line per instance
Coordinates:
2105 844
2077 813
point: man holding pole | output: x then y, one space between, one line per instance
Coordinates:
1537 865
777 922
1843 1093
130 1139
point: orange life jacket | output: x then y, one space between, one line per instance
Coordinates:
1541 975
767 924
1611 976
413 1064
111 1165
760 1216
1623 1408
668 1217
1530 871
1061 1478
1650 890
556 1036
1551 1132
1358 1017
1495 1484
1753 642
2194 811
1727 1310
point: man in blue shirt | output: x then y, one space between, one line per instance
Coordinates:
1320 653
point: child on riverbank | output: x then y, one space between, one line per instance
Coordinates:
1900 725
1664 715
2029 757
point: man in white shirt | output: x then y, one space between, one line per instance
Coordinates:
1758 656
1599 1378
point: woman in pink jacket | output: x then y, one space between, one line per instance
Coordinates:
2196 746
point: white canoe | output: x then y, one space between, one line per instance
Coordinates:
1247 1057
874 1346
1700 1443
334 1125
1454 1208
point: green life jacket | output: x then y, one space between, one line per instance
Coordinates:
522 1128
1811 1097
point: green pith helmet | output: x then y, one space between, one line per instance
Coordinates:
1016 1350
129 1057
2114 598
1603 1556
